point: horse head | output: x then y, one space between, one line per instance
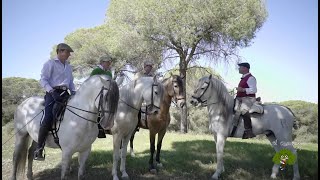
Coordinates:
175 89
153 97
201 93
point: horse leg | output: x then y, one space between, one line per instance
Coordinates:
159 145
116 155
274 142
220 142
65 163
152 137
131 144
296 174
125 142
19 155
82 158
30 159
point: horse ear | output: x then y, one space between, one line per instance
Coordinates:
210 76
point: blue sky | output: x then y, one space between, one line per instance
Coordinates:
283 56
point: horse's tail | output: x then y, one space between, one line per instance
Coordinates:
22 155
295 122
21 149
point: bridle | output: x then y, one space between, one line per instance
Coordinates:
175 94
204 102
101 109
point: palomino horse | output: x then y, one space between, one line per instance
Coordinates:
78 129
276 122
132 95
157 124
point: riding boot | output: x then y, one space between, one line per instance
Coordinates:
248 127
101 133
38 153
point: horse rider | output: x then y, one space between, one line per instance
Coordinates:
103 68
147 70
246 93
56 79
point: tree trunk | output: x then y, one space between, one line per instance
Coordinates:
184 110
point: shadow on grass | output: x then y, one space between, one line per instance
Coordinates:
195 160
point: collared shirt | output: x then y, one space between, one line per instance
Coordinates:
54 73
100 70
252 83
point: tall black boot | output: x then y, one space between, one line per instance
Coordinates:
38 153
247 126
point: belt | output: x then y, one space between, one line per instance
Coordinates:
60 87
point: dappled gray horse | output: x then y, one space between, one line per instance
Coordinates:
276 121
78 129
132 95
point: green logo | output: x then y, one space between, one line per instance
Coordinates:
284 157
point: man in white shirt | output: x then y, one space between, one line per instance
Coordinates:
246 95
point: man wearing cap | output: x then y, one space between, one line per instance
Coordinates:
104 68
56 79
246 93
147 70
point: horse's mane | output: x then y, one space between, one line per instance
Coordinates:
113 95
225 99
113 98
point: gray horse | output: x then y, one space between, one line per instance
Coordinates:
276 121
132 95
78 130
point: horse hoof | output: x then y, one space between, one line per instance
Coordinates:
132 155
273 176
153 171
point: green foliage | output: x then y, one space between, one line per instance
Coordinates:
307 116
14 91
190 27
284 153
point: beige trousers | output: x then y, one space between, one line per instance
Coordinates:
243 104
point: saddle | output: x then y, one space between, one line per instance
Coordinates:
257 107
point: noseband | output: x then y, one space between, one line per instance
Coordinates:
199 98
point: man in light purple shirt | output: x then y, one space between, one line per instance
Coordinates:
56 79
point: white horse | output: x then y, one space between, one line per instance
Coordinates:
132 95
78 129
276 122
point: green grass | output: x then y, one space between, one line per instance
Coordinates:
184 156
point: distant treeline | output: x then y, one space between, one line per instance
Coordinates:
16 89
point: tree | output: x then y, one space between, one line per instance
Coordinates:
188 30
